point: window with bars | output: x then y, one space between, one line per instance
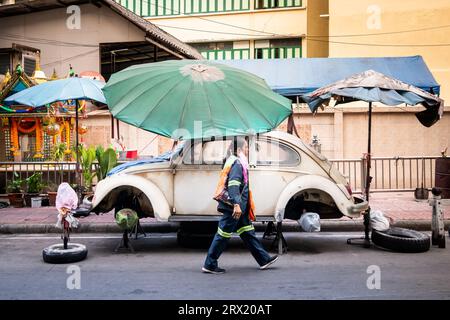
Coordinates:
278 49
207 6
29 65
152 8
221 51
233 54
5 62
271 4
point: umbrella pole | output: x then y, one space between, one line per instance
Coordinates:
366 215
77 166
369 155
368 180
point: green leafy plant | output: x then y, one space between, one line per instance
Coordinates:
34 183
58 154
87 157
15 185
107 159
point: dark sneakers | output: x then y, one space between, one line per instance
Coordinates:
271 260
217 270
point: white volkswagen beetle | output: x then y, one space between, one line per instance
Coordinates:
286 177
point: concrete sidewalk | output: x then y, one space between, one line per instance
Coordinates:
401 207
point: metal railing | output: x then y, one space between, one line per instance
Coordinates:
52 172
389 173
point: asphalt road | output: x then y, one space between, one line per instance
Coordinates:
317 266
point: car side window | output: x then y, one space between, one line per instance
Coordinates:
208 152
194 153
274 153
214 152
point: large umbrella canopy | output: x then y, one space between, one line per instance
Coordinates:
59 90
372 86
187 99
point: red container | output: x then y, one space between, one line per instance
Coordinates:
131 154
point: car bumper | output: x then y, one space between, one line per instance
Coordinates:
358 207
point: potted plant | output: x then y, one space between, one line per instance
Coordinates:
15 192
86 157
52 189
34 187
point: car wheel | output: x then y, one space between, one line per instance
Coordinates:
401 240
57 254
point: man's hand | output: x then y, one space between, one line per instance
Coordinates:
237 212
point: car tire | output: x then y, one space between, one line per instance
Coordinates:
401 240
56 254
194 240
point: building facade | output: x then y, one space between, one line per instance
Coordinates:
241 29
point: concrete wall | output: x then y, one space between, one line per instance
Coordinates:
405 26
395 131
96 25
146 143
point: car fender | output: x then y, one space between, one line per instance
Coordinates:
154 194
311 182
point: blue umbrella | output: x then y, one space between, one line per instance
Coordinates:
61 90
372 86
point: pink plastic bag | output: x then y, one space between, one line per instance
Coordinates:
66 197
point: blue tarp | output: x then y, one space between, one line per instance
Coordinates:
165 157
294 77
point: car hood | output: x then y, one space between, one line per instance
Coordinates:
156 161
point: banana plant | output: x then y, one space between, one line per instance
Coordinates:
107 159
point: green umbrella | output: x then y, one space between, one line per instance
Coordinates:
190 99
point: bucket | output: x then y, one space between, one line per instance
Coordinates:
442 176
36 202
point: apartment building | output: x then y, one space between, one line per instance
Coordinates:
241 29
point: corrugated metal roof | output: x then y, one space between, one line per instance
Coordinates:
153 32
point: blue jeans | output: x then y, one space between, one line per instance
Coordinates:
245 229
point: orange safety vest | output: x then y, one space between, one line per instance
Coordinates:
221 186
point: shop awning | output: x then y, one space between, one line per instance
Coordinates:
293 77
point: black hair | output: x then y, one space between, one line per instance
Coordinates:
236 143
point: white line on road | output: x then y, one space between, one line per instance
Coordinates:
81 237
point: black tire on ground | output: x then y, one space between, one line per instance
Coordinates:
56 253
401 240
191 240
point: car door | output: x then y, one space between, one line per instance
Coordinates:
273 165
197 175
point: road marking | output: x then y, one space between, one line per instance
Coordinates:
80 237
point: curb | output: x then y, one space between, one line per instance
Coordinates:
170 227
